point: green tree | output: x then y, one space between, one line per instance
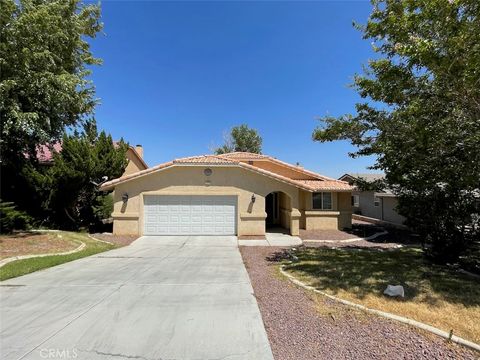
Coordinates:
45 61
85 161
11 218
43 70
421 115
241 138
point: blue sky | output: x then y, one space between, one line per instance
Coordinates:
177 75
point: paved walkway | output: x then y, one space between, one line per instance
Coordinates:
159 298
273 239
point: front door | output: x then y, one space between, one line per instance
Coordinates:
271 208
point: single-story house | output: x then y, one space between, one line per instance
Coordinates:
44 154
231 194
380 205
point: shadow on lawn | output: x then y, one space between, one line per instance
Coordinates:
363 272
395 235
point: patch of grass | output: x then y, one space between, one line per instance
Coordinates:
434 294
26 266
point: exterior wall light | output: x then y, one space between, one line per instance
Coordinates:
125 198
253 198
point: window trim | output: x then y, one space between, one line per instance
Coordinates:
376 201
321 193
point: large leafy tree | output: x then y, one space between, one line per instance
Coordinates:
71 184
44 59
421 116
44 64
241 138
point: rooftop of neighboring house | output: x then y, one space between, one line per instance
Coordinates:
351 178
45 152
368 177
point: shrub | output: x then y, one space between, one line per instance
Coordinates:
11 218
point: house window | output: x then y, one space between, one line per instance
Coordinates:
376 201
322 201
356 200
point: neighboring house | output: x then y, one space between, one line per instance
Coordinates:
135 160
379 205
134 157
230 194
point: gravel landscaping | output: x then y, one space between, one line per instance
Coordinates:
360 229
326 235
118 240
303 325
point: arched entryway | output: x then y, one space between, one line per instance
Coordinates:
278 207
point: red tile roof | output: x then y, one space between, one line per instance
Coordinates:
253 156
243 156
110 184
204 159
45 152
321 182
317 185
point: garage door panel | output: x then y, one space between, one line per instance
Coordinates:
150 218
196 219
196 229
190 215
161 220
149 229
196 209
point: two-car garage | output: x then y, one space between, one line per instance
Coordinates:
190 215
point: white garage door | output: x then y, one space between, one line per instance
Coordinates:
189 215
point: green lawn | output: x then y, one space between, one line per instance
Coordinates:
22 267
434 294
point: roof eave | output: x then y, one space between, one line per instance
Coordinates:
273 176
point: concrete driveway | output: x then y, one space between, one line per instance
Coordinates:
159 298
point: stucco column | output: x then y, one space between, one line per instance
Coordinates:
295 222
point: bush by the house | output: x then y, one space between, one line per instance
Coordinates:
11 218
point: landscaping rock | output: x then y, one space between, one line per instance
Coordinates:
395 290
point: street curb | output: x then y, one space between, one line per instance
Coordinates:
371 237
417 324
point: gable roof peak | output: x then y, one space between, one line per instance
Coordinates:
243 155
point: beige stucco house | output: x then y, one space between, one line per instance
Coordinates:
230 194
135 160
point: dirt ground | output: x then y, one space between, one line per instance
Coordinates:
29 243
119 240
